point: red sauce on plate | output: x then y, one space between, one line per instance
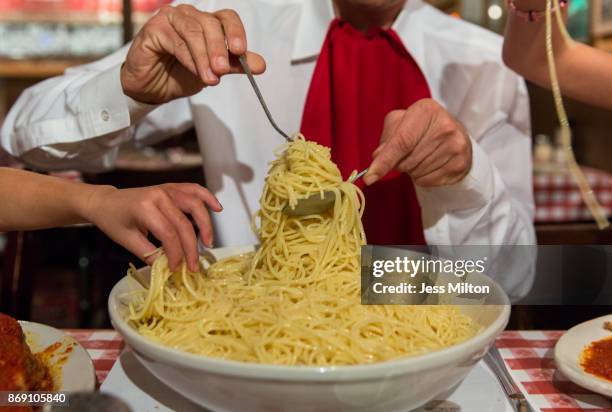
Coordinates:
597 358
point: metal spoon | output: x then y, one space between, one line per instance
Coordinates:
316 203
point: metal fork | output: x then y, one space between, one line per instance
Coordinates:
247 71
494 361
315 203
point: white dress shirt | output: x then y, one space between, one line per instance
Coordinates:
78 120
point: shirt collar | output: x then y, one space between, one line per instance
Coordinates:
314 20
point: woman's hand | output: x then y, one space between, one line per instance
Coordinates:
127 216
181 50
425 142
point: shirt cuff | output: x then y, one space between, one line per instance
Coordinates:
474 191
138 110
104 106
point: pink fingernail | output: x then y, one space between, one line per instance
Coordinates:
368 179
211 76
222 63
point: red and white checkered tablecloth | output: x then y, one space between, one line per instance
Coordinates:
103 346
528 356
558 199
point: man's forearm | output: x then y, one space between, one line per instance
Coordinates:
481 210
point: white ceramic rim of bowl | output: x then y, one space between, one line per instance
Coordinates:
567 355
156 351
78 372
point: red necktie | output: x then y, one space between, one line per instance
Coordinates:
358 79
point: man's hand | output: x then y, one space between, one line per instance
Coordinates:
424 141
127 216
181 50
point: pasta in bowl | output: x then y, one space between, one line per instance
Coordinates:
396 385
281 327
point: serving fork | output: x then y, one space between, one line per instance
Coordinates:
315 203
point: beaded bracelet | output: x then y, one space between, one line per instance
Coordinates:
531 15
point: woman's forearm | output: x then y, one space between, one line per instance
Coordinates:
584 72
33 201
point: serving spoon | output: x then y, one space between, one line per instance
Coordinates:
312 204
316 203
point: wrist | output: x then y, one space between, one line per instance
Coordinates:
127 85
532 10
124 78
89 199
526 5
136 106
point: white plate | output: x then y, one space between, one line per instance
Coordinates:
569 348
71 367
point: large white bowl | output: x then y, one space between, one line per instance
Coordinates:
398 385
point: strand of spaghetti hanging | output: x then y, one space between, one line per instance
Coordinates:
566 133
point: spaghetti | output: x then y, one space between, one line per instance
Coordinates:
566 133
296 300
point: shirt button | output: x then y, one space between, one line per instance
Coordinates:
105 115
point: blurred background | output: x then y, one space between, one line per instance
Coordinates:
62 277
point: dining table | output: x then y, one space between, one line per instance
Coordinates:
528 356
